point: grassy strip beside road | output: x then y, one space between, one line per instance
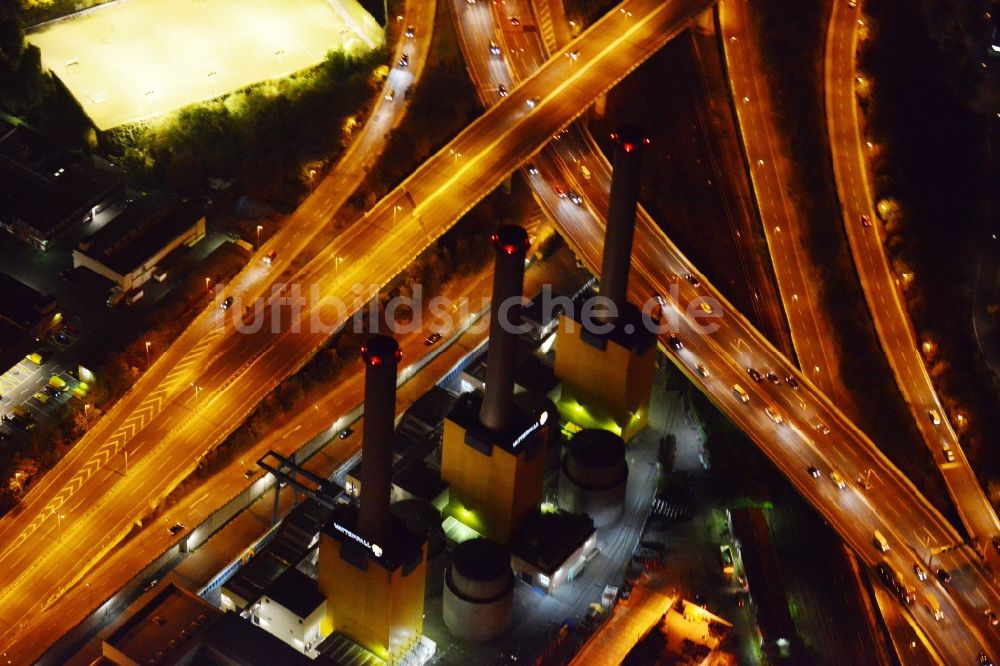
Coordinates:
791 38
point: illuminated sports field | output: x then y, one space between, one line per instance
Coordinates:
139 58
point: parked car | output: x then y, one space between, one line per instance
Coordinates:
176 529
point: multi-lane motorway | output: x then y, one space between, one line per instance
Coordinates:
204 400
879 284
891 505
202 388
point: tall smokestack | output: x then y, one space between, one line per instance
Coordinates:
629 144
382 355
511 245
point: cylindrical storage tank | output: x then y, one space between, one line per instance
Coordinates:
423 519
594 475
478 591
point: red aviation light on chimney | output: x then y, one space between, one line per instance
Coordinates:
510 241
378 353
629 138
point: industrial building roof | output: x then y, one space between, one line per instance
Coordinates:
139 232
163 630
763 573
295 591
403 550
546 540
46 188
233 640
21 305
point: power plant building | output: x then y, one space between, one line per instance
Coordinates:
492 454
606 357
372 568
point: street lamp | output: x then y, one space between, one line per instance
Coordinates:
197 389
59 518
259 227
147 353
395 209
208 285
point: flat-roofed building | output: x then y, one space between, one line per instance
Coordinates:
27 311
127 249
45 191
292 609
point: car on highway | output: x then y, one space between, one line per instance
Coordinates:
863 481
705 307
823 428
502 90
984 660
410 31
176 529
920 572
533 102
702 370
692 280
432 338
741 393
949 455
575 198
943 576
226 303
772 377
270 257
404 60
514 21
390 94
866 221
774 415
813 471
837 479
934 416
675 342
560 191
494 48
756 376
991 617
880 541
532 169
792 382
345 433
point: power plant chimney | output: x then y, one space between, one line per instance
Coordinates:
627 162
382 355
511 244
